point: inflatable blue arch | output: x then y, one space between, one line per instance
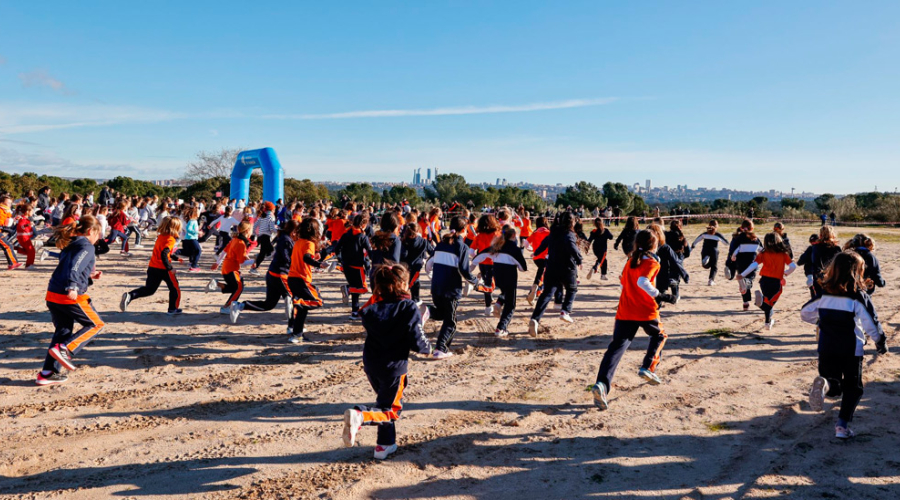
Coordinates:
273 175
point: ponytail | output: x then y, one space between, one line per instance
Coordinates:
457 226
65 234
644 243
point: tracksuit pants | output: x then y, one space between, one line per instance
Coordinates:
388 405
64 317
552 286
444 309
713 263
844 376
623 334
306 297
771 291
234 286
276 289
156 276
265 248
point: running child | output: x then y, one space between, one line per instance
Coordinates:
638 309
778 229
487 230
671 268
626 237
744 247
449 266
386 245
864 246
351 250
264 229
805 260
709 252
540 259
508 261
822 254
190 244
414 251
599 241
773 260
561 273
160 268
7 228
523 224
845 315
304 294
25 233
393 328
276 278
236 255
68 300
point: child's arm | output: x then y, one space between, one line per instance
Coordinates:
865 313
417 340
810 312
696 240
464 266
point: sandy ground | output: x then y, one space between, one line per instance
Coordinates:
194 407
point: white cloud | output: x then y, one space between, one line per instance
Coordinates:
459 110
49 163
40 78
24 118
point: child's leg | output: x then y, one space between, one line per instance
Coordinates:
544 300
487 283
388 406
657 341
747 294
623 334
300 314
539 274
265 249
275 290
447 312
84 314
354 302
234 286
771 291
154 278
604 265
571 290
509 305
8 253
851 386
174 289
62 329
414 284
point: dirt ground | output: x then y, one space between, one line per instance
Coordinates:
194 407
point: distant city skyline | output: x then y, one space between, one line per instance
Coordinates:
756 96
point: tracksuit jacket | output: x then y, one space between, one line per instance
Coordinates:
449 266
76 263
393 329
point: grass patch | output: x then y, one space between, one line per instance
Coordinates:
720 333
717 426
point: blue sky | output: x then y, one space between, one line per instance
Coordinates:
752 95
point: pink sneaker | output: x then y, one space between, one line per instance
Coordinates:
14 266
194 270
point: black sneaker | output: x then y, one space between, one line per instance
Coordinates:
52 379
61 354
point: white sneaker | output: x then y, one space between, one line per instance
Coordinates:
770 324
566 317
137 246
44 254
498 310
126 299
603 277
225 310
590 274
531 295
332 266
424 313
439 355
288 308
382 452
467 288
353 421
234 312
712 282
705 261
212 286
501 333
254 271
533 326
489 310
345 294
757 298
817 394
295 339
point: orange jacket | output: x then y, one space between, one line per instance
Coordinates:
635 304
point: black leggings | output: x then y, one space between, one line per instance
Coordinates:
233 286
713 263
276 289
507 299
156 276
844 376
771 291
541 265
265 248
487 282
444 309
623 334
602 263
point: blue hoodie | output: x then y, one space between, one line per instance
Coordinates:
76 263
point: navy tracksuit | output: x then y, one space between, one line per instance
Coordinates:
600 245
710 251
276 277
449 266
745 250
393 329
563 259
507 264
413 252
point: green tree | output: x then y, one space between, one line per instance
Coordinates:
305 190
582 193
399 193
449 188
794 203
618 194
825 202
208 188
361 191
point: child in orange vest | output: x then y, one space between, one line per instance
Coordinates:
236 255
160 268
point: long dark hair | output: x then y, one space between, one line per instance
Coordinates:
644 242
382 239
844 274
457 227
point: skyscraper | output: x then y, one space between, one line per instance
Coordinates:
648 185
429 176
